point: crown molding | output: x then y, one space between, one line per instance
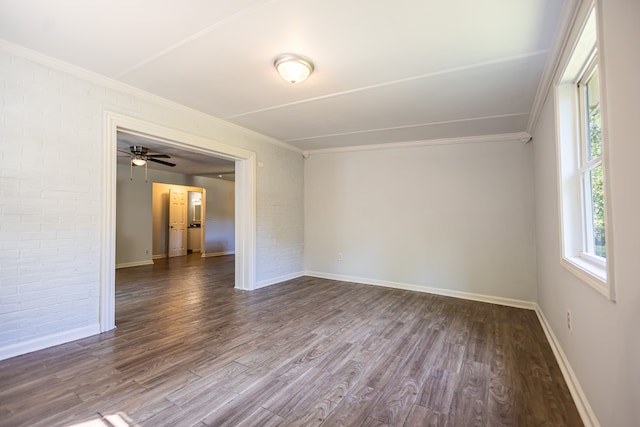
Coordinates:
567 18
82 73
517 136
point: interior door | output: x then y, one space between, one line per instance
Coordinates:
177 222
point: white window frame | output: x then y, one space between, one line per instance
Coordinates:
587 165
578 63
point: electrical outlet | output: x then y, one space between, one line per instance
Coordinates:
569 325
146 251
340 257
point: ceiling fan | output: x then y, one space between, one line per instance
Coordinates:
140 156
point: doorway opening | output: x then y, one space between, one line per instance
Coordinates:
245 201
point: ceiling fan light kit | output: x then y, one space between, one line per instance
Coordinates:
293 68
140 157
138 161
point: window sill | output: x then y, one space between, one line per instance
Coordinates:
592 274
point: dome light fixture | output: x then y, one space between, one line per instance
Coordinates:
293 68
138 160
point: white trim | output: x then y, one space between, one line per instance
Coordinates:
578 51
107 305
595 260
590 274
411 126
606 177
276 280
36 344
34 56
518 136
210 254
426 289
245 202
134 264
580 399
567 18
245 224
158 256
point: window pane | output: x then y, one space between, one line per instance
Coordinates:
597 204
594 134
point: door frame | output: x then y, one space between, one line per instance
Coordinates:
245 201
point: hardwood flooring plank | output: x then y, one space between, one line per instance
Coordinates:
190 411
244 405
474 380
190 349
112 401
36 415
297 393
310 416
451 357
382 371
262 418
429 345
354 409
373 422
501 403
343 381
419 416
439 388
396 401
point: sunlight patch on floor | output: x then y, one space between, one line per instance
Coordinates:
113 420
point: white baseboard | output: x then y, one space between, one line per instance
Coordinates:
159 256
426 289
48 341
584 408
134 264
582 403
209 254
275 280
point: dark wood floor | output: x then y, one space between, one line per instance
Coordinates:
191 350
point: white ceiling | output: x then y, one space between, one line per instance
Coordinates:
186 162
385 71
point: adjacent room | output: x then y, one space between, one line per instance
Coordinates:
303 213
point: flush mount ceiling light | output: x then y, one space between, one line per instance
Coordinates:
293 68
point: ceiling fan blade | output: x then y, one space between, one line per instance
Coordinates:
158 156
124 152
162 162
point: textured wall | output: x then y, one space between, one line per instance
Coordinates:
51 141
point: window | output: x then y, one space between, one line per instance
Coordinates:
582 163
591 165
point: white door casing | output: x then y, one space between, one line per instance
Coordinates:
245 196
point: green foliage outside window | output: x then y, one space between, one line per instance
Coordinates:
597 188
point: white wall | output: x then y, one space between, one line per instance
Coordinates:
51 116
220 215
603 347
134 227
455 217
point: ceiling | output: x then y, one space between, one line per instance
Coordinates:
186 162
385 71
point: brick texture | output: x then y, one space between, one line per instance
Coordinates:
51 193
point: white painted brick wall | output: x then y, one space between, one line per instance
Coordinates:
51 202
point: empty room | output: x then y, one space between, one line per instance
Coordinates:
319 213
